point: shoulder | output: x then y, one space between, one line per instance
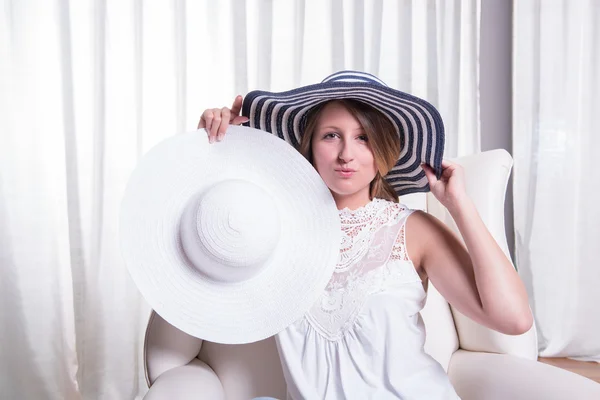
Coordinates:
422 230
421 222
432 242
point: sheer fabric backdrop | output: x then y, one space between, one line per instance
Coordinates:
556 104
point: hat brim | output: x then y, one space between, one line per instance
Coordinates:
417 122
292 279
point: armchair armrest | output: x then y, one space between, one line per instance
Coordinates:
477 338
488 376
194 381
166 347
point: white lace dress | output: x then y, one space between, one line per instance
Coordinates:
364 338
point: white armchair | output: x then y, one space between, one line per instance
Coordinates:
481 363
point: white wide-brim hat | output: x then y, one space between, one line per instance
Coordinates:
230 242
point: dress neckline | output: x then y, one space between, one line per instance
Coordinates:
361 214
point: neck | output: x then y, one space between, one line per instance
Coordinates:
352 201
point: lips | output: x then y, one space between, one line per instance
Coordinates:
345 172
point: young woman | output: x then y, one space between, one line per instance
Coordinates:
365 338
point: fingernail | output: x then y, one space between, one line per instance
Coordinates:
220 137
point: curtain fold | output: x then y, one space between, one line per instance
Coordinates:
557 221
88 86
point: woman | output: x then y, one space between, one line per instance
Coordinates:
365 338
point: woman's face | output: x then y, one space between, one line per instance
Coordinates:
342 155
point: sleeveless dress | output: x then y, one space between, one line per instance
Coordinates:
364 337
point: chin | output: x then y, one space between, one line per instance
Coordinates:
344 190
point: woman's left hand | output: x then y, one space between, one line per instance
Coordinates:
450 188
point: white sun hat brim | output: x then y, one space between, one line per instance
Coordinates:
291 279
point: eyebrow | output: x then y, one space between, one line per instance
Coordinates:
335 127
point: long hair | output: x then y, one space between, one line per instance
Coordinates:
383 140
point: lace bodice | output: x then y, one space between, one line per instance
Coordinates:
371 255
359 226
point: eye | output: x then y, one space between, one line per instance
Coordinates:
364 138
330 135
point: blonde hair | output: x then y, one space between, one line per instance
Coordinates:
383 140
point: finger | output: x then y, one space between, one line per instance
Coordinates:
449 168
225 113
206 120
447 163
237 106
429 174
240 120
216 122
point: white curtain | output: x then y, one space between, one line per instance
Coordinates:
556 118
88 86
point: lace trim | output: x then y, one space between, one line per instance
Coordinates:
361 214
399 251
339 307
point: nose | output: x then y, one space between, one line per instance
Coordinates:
346 153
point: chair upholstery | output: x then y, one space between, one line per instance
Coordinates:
481 363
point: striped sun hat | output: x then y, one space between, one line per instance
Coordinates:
417 122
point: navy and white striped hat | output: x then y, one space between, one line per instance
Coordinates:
417 122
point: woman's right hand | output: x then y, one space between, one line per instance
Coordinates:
216 120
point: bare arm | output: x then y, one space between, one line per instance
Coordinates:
479 280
